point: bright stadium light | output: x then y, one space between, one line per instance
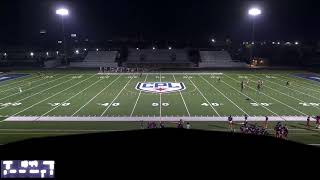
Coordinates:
170 48
5 54
62 12
153 48
273 42
85 49
296 43
278 43
31 54
57 52
254 12
137 49
213 40
97 49
47 53
77 51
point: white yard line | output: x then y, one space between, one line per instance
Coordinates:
96 96
31 88
289 88
184 102
254 100
224 96
272 98
284 93
135 104
116 97
71 98
203 96
39 92
51 96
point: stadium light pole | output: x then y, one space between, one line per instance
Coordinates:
62 12
253 12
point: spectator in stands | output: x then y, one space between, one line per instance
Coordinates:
230 120
245 118
266 122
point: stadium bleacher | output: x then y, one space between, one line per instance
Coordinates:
96 59
160 57
220 59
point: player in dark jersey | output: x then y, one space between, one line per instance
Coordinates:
245 118
180 124
230 120
242 86
318 122
288 83
266 122
259 85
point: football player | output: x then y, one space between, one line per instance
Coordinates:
242 86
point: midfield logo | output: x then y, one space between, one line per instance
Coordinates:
160 87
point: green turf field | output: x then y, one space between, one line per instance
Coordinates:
74 94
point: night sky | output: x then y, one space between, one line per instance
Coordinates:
21 20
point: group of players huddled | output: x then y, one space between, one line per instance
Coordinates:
281 131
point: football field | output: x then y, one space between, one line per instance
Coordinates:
68 102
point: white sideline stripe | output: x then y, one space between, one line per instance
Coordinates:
203 96
225 96
116 97
15 87
253 100
51 96
72 97
300 83
135 104
184 102
39 92
314 144
284 93
152 118
290 88
96 96
272 98
31 88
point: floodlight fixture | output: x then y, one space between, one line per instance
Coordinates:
254 12
62 12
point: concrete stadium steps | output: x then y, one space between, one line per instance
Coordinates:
218 59
210 56
152 118
158 56
95 59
